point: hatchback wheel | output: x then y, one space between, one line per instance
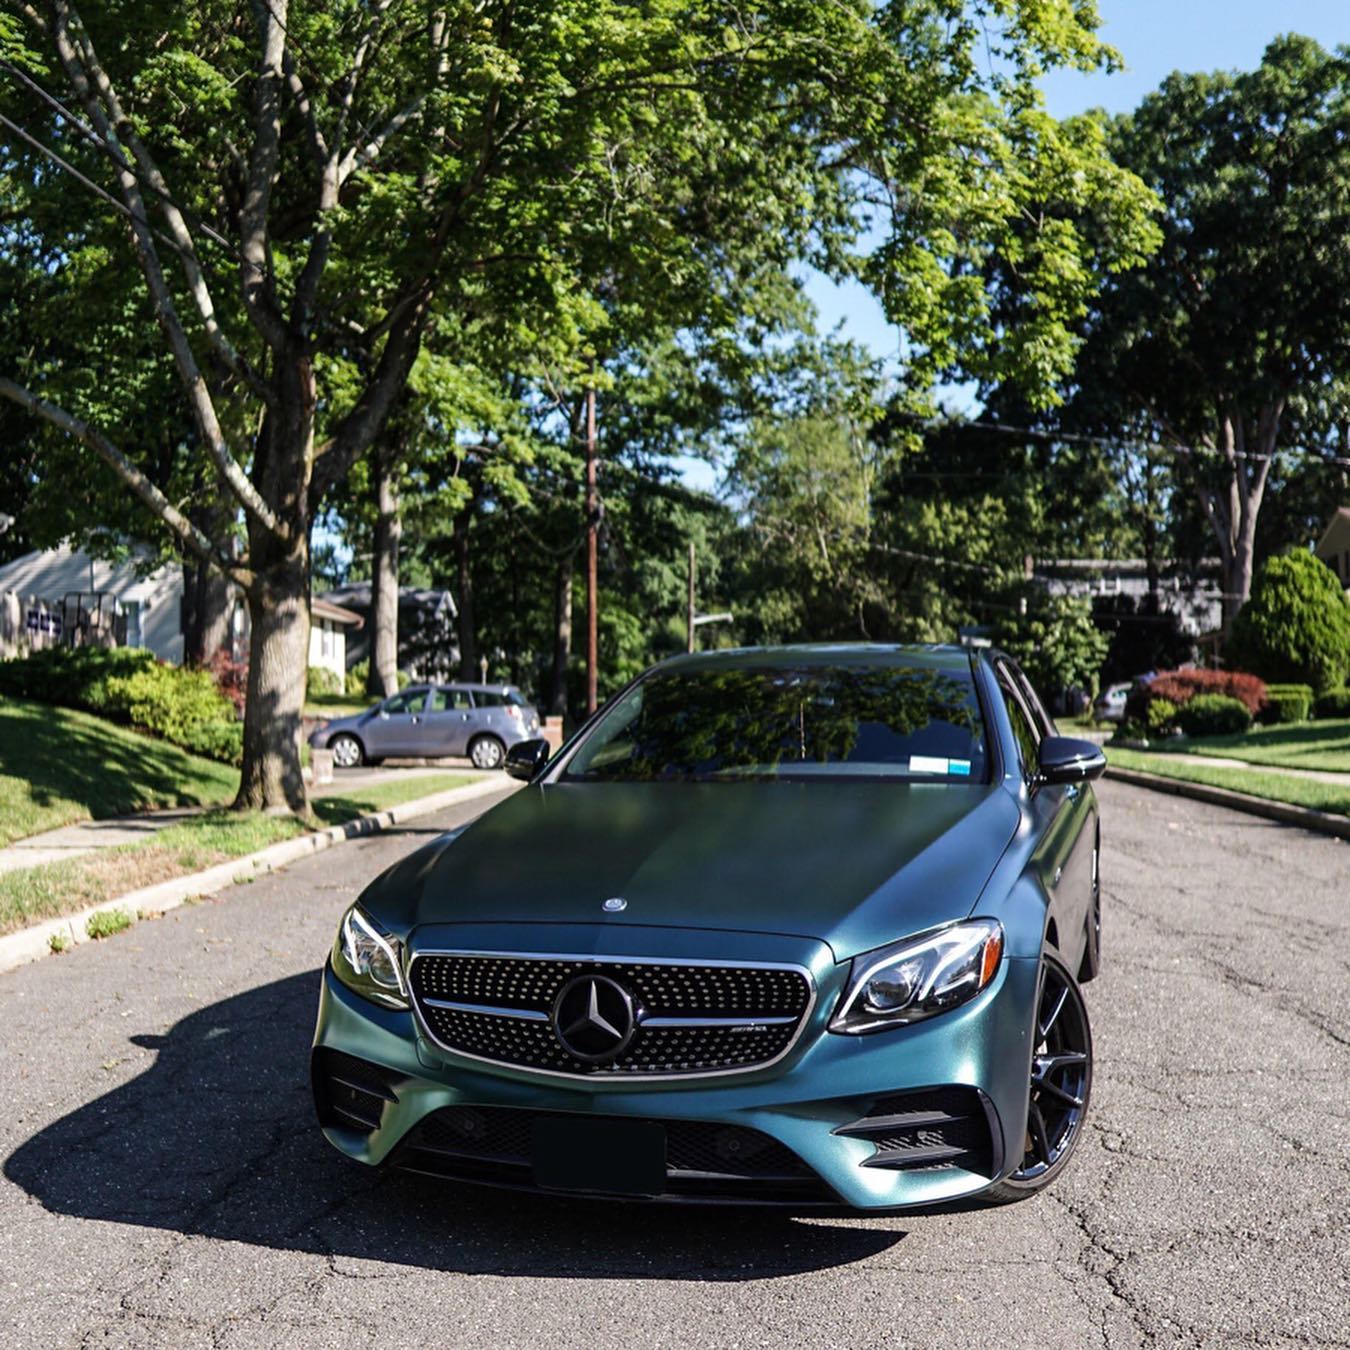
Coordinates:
347 751
487 752
1061 1081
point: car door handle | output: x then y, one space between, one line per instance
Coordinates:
1059 872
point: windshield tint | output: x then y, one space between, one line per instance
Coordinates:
839 721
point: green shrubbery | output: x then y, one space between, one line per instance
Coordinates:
1214 715
1296 626
358 679
1161 716
321 680
1287 703
128 684
1334 703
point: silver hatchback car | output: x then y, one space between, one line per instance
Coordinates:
427 721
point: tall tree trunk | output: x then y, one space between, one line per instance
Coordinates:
1232 509
467 630
206 612
562 635
384 580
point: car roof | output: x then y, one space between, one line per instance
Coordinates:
930 656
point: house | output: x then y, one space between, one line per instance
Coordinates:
1197 602
65 595
428 648
1334 546
328 628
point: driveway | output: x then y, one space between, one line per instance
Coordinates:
164 1183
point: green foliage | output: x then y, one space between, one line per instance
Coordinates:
357 682
130 685
1287 703
321 680
105 922
58 942
1214 715
1334 703
1056 643
168 701
1296 626
1161 716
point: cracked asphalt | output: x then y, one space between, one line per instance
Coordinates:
164 1183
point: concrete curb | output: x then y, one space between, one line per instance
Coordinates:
29 944
1323 822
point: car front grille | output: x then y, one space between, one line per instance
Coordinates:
934 1131
704 1160
688 1018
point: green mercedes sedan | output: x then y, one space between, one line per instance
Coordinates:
802 926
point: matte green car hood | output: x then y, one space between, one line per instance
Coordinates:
854 864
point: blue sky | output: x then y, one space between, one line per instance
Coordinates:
1155 37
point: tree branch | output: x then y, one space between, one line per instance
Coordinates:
186 532
78 64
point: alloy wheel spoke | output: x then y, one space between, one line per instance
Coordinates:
1039 1134
1059 1093
1054 1012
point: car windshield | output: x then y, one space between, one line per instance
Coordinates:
892 721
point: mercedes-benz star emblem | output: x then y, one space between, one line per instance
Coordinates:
594 1018
614 904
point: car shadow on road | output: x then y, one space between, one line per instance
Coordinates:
218 1139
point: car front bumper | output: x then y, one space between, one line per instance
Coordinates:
897 1085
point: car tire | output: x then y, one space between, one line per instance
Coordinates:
487 752
348 752
1060 1086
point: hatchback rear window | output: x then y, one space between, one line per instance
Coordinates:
905 722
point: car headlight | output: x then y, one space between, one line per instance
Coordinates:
919 977
368 960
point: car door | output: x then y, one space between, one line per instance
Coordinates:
1065 812
395 727
449 721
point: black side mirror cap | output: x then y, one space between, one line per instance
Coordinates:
525 759
1064 759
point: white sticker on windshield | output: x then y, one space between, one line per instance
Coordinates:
959 768
927 764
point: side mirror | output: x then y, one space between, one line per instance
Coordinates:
1064 759
525 759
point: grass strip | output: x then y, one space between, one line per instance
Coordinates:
1323 745
30 894
1276 787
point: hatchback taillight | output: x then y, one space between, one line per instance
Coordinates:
513 711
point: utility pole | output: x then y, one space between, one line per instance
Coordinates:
689 620
592 552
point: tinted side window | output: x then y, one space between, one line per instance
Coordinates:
1043 720
410 700
1028 740
448 700
488 698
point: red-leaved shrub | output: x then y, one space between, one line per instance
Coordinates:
231 677
1180 686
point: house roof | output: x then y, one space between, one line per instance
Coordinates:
324 609
1338 523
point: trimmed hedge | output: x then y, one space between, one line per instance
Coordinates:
127 684
1179 687
1334 703
1214 715
1287 703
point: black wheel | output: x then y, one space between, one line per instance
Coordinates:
348 752
486 752
1061 1082
1092 951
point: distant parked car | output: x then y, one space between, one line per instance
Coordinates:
427 721
1110 703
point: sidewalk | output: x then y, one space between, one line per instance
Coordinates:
1219 762
89 836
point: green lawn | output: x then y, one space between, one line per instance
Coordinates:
45 892
1303 745
58 766
1280 787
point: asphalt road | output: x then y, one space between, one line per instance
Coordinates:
163 1182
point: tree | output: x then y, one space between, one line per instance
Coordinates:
312 193
1232 342
1296 627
